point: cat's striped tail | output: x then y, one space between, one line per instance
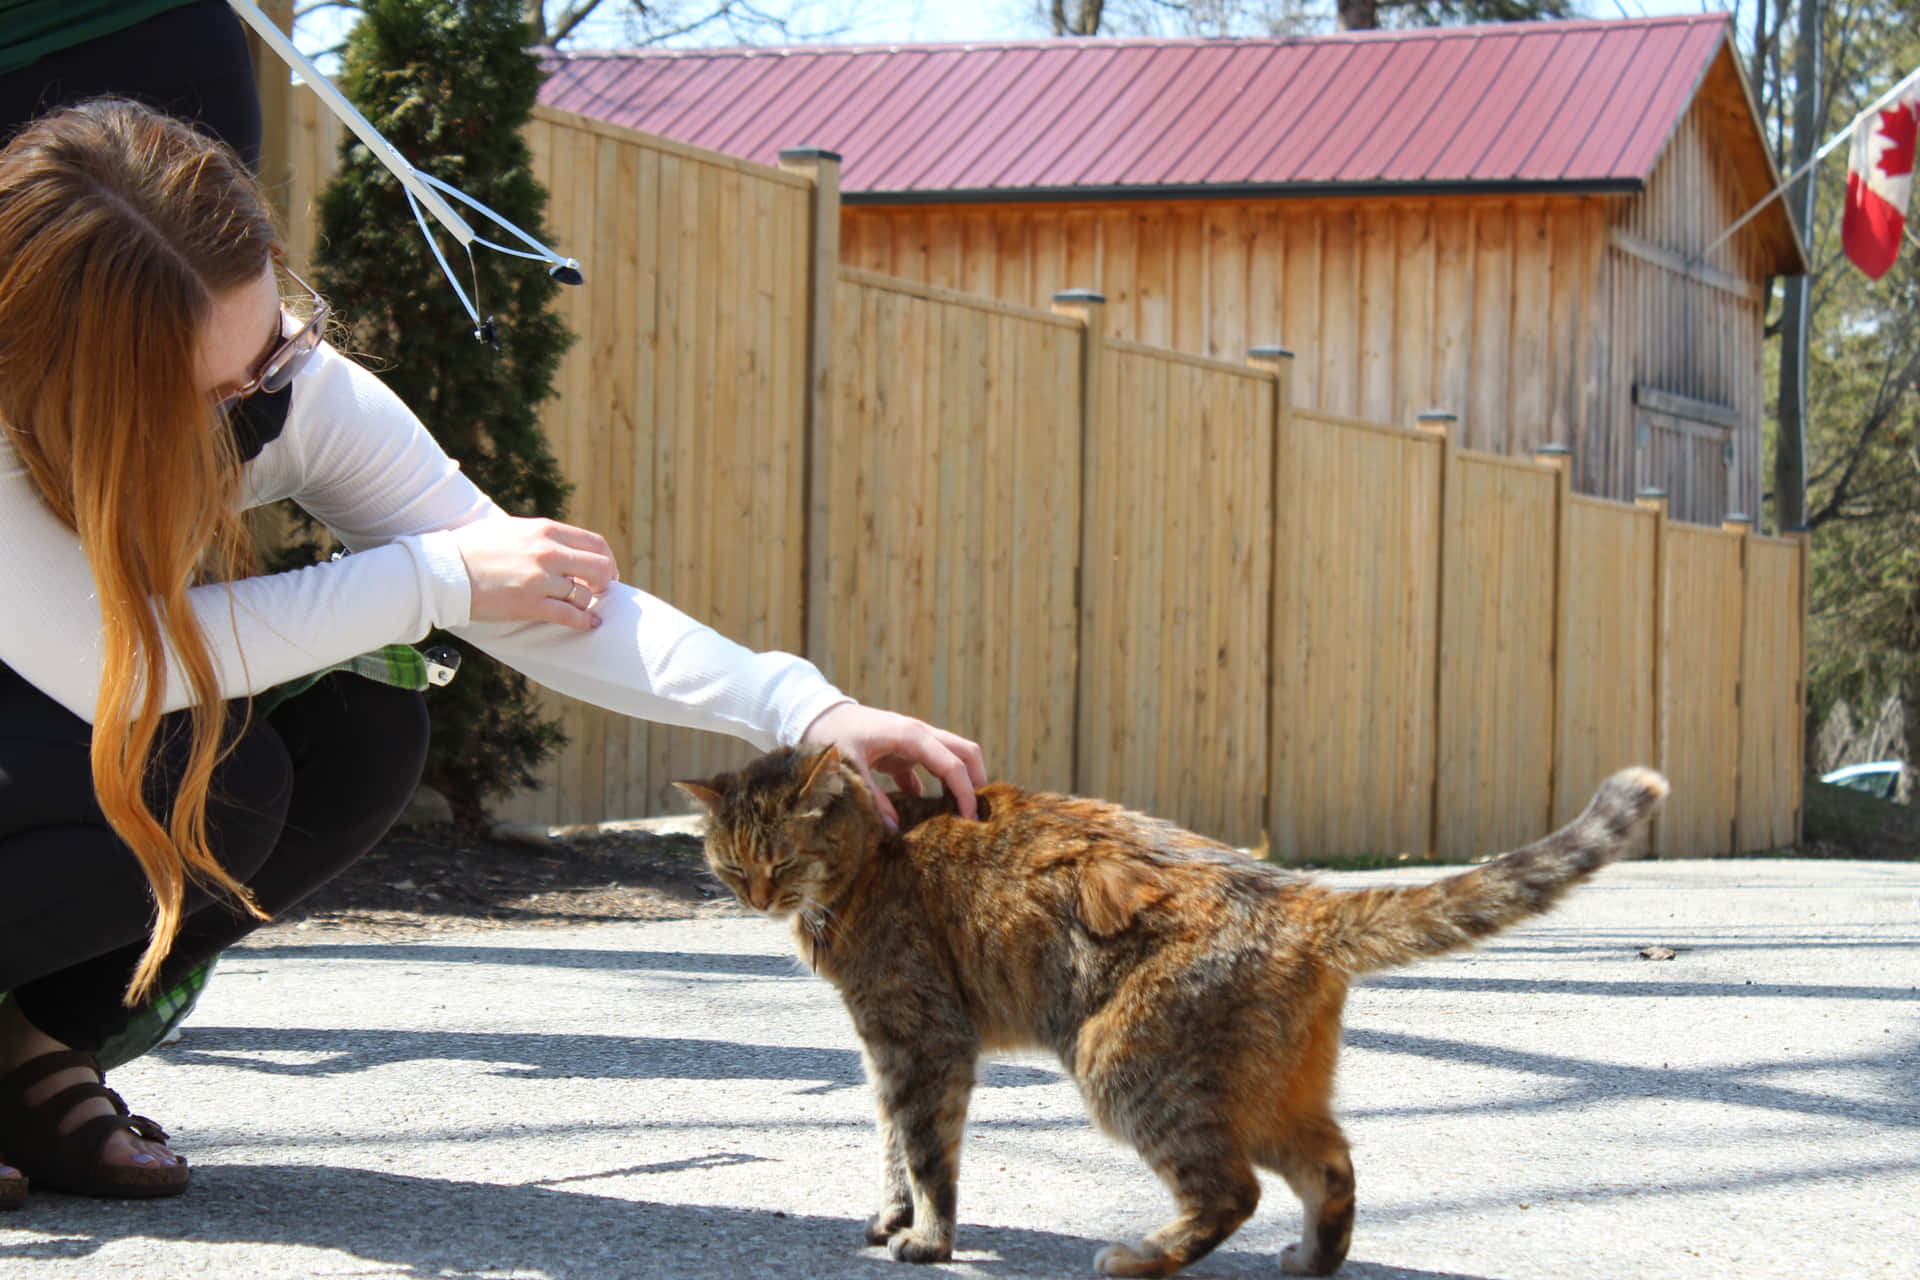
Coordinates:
1373 929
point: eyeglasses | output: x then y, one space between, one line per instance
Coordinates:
287 359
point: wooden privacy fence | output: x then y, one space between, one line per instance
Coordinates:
1127 572
950 534
681 419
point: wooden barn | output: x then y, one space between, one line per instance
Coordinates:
1511 223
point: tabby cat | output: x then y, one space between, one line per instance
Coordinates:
1193 993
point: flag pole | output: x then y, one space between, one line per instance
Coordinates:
1826 149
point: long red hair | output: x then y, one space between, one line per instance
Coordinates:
118 229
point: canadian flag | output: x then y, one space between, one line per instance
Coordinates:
1879 179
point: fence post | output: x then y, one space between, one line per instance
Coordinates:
1444 424
1560 458
1739 522
822 168
1090 714
1802 535
1277 362
273 82
1655 500
1090 309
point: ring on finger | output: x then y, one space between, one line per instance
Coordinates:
571 588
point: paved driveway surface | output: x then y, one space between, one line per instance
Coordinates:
677 1100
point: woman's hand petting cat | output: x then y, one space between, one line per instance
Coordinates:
873 741
532 570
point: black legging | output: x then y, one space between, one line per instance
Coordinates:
305 791
191 62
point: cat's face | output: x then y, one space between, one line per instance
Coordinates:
788 832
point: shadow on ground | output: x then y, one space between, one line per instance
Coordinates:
541 1057
439 1228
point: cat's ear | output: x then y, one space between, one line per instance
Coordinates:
820 784
1113 891
701 793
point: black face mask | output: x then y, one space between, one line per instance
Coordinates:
259 419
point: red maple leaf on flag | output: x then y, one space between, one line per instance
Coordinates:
1898 127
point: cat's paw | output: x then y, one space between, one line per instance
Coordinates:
915 1246
889 1222
1119 1260
1295 1260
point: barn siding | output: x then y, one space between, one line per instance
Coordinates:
1525 316
1389 307
1682 334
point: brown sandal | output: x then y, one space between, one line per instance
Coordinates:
13 1187
70 1162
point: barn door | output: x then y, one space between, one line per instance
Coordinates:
1685 446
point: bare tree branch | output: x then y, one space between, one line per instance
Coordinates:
571 14
1889 397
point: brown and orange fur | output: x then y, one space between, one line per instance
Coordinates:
1193 993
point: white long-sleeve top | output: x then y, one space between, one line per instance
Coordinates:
355 458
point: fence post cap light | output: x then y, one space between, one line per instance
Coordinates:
800 155
1269 353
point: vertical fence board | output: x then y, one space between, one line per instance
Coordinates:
568 420
956 467
1770 677
1174 603
1607 693
1173 624
1700 674
680 420
642 352
1354 613
1496 650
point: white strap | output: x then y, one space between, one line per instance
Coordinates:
423 190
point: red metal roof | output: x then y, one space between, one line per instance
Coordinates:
1552 104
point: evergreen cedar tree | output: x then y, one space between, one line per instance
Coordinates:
451 85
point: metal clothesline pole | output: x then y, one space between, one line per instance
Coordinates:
1826 149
